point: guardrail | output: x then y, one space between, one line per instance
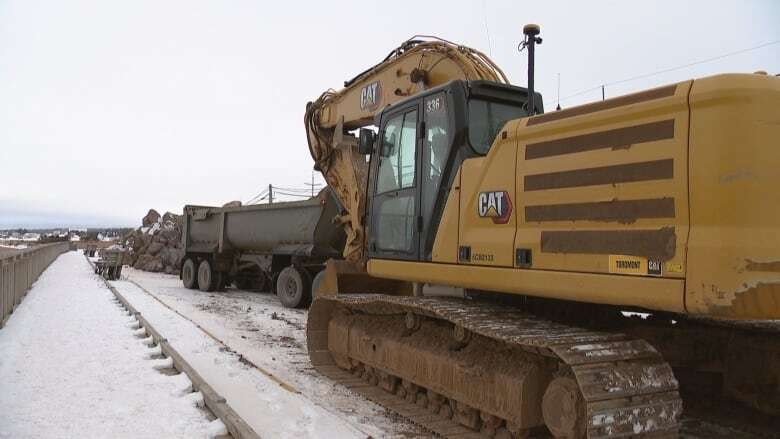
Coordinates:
19 270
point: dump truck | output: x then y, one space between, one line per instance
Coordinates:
549 227
109 266
90 250
279 246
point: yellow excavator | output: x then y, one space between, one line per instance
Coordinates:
510 270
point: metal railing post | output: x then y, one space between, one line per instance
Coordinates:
18 272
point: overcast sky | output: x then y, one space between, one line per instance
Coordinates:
109 108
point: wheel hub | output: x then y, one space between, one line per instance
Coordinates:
290 287
563 408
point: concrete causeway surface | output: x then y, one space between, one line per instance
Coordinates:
256 326
270 408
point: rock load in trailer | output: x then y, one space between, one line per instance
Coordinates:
156 245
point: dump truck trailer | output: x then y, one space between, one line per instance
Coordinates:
279 247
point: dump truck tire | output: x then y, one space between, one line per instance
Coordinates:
221 281
293 287
207 279
189 274
315 284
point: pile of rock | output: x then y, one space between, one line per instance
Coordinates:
156 245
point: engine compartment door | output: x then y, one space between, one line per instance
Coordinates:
603 188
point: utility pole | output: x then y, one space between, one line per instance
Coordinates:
602 93
270 194
312 184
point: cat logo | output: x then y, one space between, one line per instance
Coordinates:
370 96
495 205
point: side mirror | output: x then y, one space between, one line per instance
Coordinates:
366 141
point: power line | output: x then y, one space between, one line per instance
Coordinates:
291 195
283 191
257 201
260 194
294 189
487 29
303 192
671 69
255 198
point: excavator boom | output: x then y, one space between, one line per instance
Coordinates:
418 64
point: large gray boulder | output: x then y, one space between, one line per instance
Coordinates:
156 245
172 218
152 217
149 263
154 248
171 236
171 257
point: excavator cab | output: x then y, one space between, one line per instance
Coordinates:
420 145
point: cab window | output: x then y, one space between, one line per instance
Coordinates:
398 153
486 118
395 200
436 151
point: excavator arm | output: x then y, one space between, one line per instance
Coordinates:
416 65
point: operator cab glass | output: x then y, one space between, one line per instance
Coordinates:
486 118
421 144
395 184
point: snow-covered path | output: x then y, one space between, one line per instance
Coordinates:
264 332
270 409
70 367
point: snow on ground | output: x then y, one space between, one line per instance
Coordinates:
70 367
270 409
258 327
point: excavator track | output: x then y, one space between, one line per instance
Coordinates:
465 368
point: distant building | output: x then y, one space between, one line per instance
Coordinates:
31 237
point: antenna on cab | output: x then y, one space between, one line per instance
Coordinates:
531 40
